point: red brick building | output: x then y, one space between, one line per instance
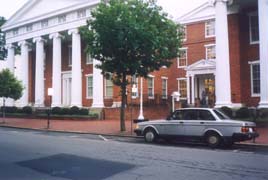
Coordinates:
220 64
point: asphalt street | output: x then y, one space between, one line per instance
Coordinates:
35 155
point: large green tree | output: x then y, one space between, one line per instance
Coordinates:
130 37
2 40
10 87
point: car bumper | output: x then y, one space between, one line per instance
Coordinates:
244 136
138 132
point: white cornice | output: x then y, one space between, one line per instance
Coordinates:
11 25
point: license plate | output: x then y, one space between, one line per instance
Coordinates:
250 130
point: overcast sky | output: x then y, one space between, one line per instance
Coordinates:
175 8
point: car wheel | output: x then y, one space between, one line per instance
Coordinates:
213 140
150 136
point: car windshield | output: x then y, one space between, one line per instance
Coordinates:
221 114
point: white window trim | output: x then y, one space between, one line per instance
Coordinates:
87 63
87 96
209 36
207 46
179 79
178 59
251 78
151 97
105 90
250 33
165 78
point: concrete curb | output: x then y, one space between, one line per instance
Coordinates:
71 132
113 135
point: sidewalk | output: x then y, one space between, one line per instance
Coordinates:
108 127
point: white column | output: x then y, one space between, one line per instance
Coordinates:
56 69
97 86
141 117
193 89
39 72
10 65
10 57
263 31
188 90
76 99
223 83
24 100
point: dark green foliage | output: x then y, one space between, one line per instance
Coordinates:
242 113
263 113
10 87
74 110
228 111
56 110
65 111
130 37
83 111
27 110
3 51
9 109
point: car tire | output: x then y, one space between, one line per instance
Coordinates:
150 136
213 140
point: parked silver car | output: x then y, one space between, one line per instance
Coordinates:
208 125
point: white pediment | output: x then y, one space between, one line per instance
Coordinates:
38 8
203 64
203 12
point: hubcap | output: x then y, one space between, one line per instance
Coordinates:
149 136
212 140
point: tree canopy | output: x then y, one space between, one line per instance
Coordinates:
130 37
10 87
2 40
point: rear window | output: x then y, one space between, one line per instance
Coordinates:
221 114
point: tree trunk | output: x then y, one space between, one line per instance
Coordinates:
123 103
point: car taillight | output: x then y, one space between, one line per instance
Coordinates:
244 129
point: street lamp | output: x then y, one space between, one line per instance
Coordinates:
50 94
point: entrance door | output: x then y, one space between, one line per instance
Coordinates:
66 89
206 90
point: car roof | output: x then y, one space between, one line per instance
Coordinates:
194 108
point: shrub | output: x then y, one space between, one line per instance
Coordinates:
228 111
9 109
56 110
263 113
74 110
243 112
83 111
27 110
65 111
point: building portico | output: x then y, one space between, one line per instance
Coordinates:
34 35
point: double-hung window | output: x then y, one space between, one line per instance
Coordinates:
89 59
135 83
210 28
210 51
89 86
182 59
108 88
254 28
164 88
70 55
182 87
150 82
255 78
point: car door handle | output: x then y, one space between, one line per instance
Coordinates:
202 123
181 122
